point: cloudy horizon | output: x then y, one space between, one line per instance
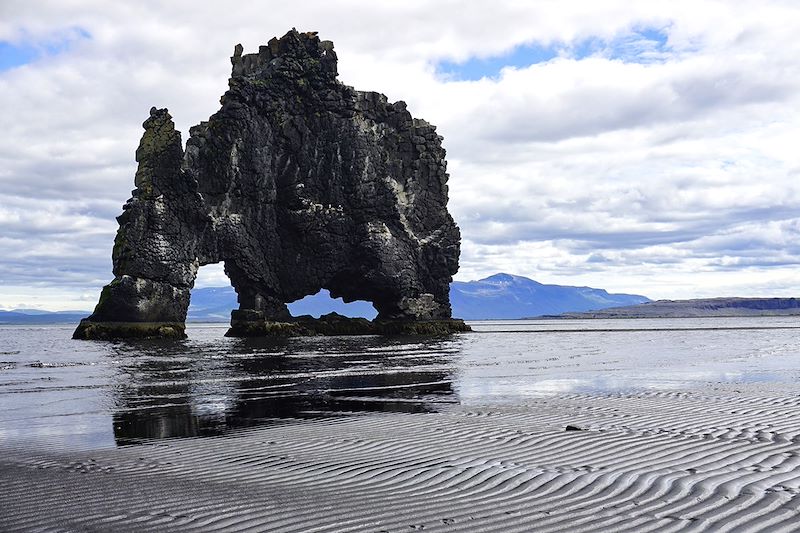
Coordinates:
646 149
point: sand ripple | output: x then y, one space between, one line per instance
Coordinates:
724 459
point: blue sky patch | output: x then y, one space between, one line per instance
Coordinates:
644 45
16 54
476 68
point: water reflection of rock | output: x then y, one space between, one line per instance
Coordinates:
183 389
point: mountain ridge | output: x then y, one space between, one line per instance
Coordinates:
499 296
699 307
213 304
508 296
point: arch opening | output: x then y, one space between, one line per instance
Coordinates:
213 297
322 303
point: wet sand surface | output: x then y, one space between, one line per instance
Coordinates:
609 426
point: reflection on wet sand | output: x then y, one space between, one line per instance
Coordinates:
164 392
64 394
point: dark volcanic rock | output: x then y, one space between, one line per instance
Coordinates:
297 183
336 324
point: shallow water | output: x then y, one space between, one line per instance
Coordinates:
62 393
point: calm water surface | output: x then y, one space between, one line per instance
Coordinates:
58 392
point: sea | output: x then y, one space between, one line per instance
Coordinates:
66 394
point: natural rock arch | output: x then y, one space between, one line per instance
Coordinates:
297 183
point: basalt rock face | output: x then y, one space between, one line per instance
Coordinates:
297 183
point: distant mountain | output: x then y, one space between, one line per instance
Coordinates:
499 296
37 316
212 304
506 296
706 307
37 311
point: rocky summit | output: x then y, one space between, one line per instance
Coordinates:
297 183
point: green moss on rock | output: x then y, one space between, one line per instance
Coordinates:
421 327
88 330
334 324
263 328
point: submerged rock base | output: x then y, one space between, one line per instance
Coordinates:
336 324
89 330
303 326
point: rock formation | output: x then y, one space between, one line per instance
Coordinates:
297 183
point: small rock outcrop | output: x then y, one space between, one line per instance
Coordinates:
297 183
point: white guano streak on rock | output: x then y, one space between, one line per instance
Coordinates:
379 230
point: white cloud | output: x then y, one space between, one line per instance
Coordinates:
671 178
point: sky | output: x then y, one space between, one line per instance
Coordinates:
642 147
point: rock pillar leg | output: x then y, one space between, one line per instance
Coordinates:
154 256
135 307
258 314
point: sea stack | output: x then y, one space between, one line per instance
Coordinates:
297 183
